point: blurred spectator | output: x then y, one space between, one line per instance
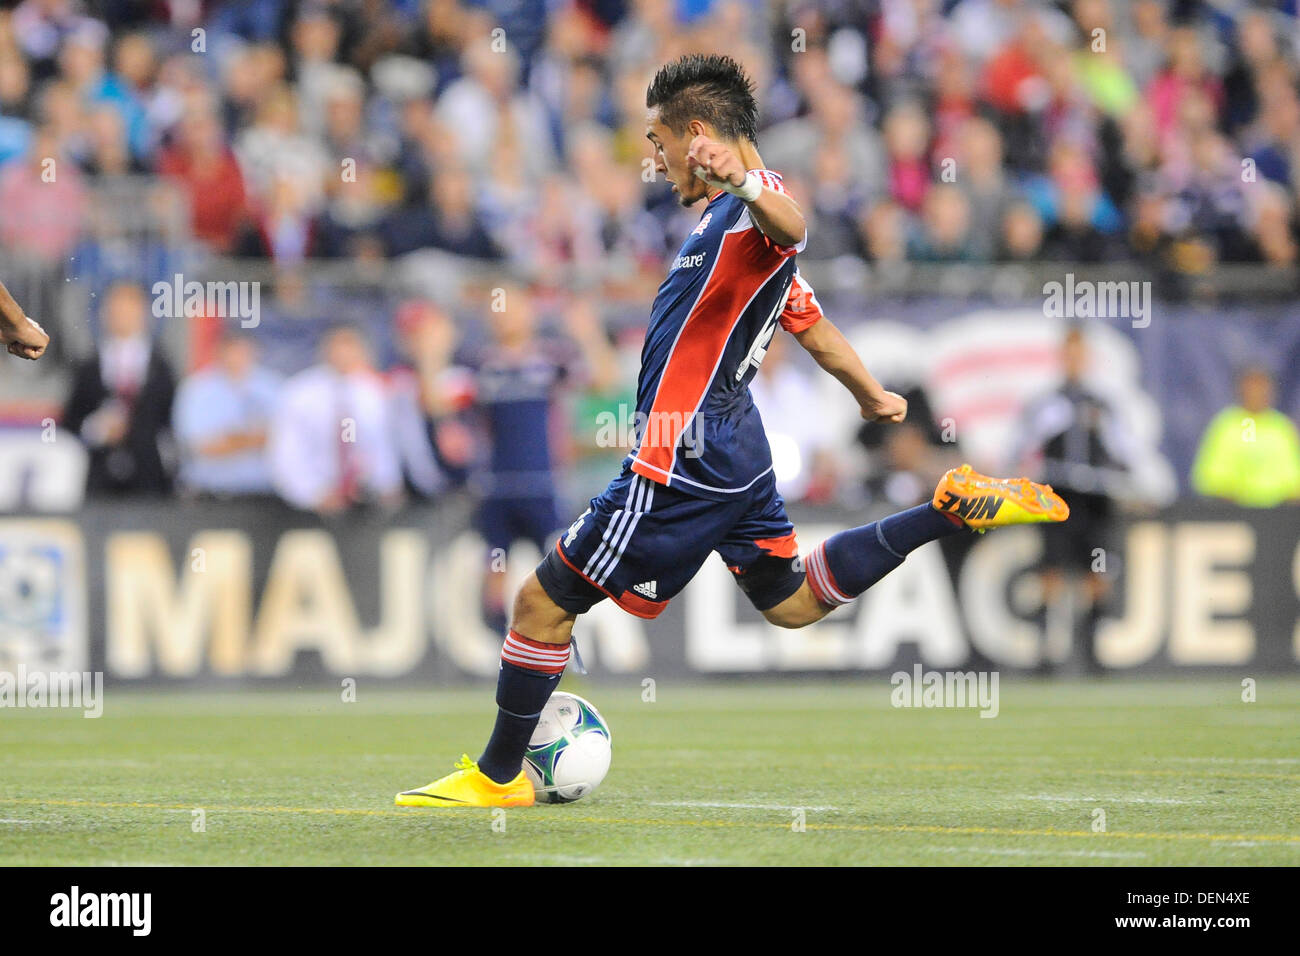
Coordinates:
486 105
1185 75
1020 234
883 232
906 139
837 119
1082 450
433 446
983 182
450 221
1250 452
281 227
208 172
109 155
81 63
221 418
331 444
43 203
907 460
274 149
802 445
121 402
15 106
945 230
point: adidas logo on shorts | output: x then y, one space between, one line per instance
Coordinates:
648 589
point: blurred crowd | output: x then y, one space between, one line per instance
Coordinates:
513 130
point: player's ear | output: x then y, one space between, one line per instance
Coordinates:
696 128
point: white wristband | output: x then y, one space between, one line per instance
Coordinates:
749 190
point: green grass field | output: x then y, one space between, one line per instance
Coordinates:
1186 773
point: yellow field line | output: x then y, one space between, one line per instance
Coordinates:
742 824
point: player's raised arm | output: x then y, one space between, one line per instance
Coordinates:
773 211
832 351
19 333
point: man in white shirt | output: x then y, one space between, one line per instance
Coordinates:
332 440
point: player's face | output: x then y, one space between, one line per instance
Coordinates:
670 158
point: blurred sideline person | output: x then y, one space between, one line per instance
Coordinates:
221 418
433 446
1250 452
511 384
907 460
19 333
121 402
802 445
331 443
1085 454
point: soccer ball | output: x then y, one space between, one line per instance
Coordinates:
568 755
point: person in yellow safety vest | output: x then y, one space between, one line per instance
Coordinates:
1250 453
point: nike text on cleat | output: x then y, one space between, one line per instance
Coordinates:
982 502
468 786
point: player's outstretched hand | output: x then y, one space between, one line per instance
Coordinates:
714 163
890 407
26 339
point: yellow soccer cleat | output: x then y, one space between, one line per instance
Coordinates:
982 502
468 786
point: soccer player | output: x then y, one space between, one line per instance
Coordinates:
512 383
20 334
700 477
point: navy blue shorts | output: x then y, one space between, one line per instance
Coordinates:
503 521
641 542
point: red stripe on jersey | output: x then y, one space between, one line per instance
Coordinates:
695 356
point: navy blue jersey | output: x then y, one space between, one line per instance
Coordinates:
710 324
514 392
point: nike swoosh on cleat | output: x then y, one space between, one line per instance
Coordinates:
431 796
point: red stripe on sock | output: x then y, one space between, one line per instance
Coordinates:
534 655
821 581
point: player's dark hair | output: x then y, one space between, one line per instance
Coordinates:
711 88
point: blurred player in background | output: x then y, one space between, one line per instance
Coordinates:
19 333
700 478
1084 451
511 385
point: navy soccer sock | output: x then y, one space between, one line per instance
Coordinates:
530 670
846 564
